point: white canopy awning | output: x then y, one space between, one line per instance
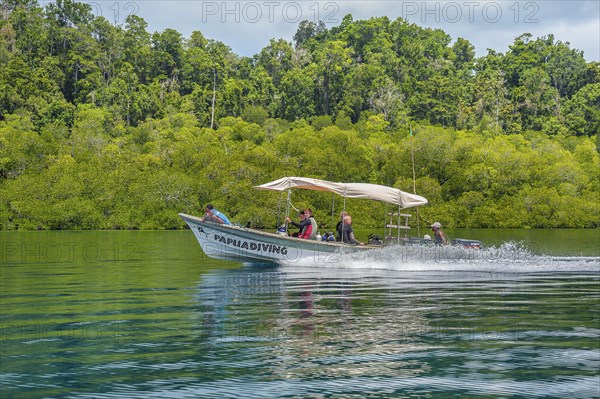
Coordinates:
348 190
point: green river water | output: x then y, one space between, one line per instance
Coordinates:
145 314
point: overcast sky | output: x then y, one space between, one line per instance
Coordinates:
246 26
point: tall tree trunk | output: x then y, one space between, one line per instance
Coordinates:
212 113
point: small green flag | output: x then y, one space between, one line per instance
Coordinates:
411 133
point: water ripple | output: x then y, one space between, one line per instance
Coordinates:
499 323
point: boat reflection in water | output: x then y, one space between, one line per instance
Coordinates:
285 316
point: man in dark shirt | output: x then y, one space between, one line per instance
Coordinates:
339 228
348 232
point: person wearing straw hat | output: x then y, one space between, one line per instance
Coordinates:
439 236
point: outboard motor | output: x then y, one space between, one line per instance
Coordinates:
466 243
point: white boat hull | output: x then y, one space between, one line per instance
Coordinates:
241 244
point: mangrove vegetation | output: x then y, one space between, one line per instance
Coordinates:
115 127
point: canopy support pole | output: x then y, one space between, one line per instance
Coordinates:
398 224
385 216
279 209
343 220
287 208
332 209
418 224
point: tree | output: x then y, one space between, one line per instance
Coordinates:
297 90
137 47
490 96
583 111
276 59
333 62
465 54
69 13
359 86
306 31
566 68
255 114
536 96
168 53
388 100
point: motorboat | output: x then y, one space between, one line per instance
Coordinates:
245 244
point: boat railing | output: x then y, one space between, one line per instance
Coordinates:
398 225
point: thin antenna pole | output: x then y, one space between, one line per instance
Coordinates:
214 96
412 153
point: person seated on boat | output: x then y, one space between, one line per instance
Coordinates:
302 225
309 226
439 236
311 231
213 215
340 225
304 222
348 232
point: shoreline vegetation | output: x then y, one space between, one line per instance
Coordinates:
114 127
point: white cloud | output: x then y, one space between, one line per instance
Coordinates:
582 36
247 25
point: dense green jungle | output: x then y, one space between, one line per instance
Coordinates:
115 127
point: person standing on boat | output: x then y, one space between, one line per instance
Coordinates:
348 232
439 236
213 215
